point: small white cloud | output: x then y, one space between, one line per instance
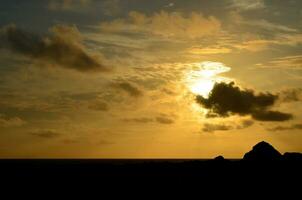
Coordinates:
169 5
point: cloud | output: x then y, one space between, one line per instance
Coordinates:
139 120
67 5
169 5
258 35
61 48
255 45
271 116
287 62
99 106
248 4
47 134
209 127
164 120
128 88
285 128
161 118
11 122
215 127
291 95
266 25
168 91
260 24
165 24
111 7
226 99
245 124
209 50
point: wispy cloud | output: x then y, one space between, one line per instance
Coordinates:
47 134
212 127
287 62
129 88
161 119
248 4
98 106
11 121
164 120
165 24
286 128
209 50
170 5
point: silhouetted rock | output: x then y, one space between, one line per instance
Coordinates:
262 151
219 158
292 156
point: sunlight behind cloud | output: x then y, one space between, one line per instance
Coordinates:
202 77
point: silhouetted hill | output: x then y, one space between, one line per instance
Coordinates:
263 151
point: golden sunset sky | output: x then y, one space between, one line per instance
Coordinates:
136 78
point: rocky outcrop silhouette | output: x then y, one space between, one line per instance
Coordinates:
263 151
219 158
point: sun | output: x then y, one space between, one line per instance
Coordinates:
201 79
202 86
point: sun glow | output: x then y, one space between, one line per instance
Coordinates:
202 77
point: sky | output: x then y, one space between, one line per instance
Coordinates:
149 79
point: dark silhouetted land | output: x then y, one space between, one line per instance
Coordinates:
262 163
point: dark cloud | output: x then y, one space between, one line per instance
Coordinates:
61 48
164 120
285 128
245 124
216 127
129 88
227 99
271 116
139 120
45 134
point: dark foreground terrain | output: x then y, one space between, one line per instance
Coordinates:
262 164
